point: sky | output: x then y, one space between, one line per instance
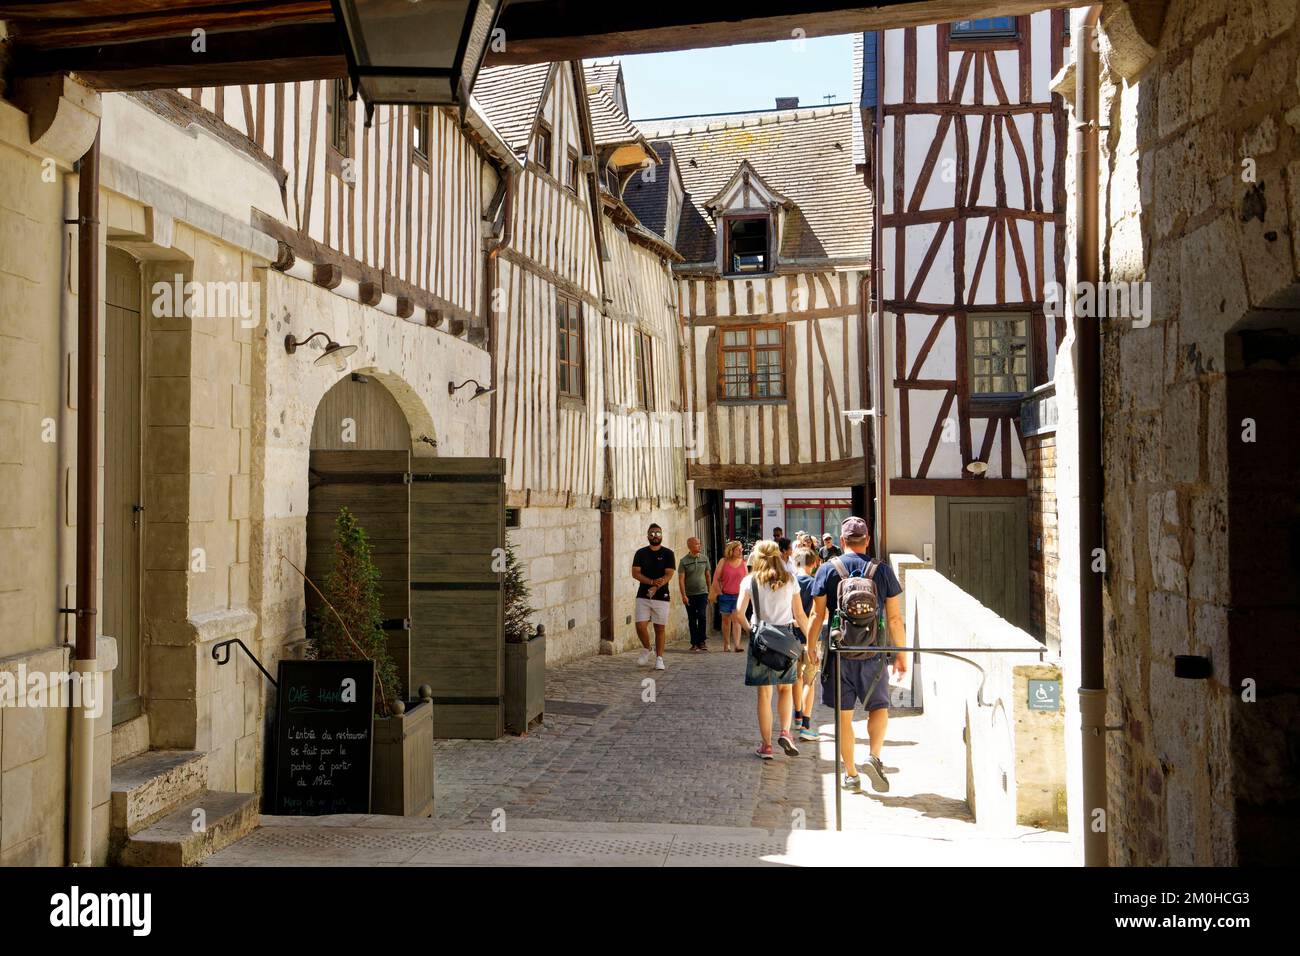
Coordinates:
738 78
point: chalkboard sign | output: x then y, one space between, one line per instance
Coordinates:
324 725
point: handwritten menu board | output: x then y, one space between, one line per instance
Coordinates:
323 736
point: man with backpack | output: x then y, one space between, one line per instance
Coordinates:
866 593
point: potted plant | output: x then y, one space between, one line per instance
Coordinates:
349 626
525 649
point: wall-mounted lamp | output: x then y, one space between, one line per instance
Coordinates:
335 355
977 468
453 388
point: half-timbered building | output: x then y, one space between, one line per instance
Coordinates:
965 143
586 354
772 224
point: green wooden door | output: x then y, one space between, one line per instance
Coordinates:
983 548
373 486
457 615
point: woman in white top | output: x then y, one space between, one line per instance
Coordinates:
779 604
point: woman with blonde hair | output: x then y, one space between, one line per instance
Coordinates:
774 594
726 586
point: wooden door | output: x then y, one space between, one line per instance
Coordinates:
373 486
457 613
983 548
122 498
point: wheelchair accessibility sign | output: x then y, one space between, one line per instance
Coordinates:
1044 694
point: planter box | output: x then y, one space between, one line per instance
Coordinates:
525 684
401 775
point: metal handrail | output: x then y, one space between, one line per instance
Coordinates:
224 657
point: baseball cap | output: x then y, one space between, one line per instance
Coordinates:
853 527
827 537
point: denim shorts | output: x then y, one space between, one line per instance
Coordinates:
856 679
727 603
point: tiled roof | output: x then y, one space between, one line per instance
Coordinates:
509 95
609 124
603 73
649 200
807 154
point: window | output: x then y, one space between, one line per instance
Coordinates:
643 370
817 516
568 329
571 170
985 27
746 245
753 363
745 521
542 154
611 180
421 127
340 115
999 354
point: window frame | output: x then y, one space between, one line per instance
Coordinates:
569 327
643 370
728 221
993 398
571 161
339 119
422 129
991 33
752 349
545 138
821 505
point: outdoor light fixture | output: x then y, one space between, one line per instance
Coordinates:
335 355
453 388
422 52
857 416
977 467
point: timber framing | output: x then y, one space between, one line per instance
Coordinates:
847 471
146 44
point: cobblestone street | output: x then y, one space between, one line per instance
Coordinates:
612 778
684 757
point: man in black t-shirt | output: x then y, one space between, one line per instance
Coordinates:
652 568
828 549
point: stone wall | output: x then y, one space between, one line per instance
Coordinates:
1044 542
560 551
1200 198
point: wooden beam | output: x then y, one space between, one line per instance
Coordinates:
846 471
176 21
277 54
557 30
960 487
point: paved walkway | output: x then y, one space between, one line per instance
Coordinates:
652 767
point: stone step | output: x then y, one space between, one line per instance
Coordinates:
210 822
148 787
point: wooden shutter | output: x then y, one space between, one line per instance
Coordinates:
372 485
457 613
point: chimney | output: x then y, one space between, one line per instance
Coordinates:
787 102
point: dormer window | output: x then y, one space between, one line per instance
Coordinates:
748 246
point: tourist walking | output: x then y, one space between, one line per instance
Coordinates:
693 574
774 594
652 568
786 548
828 550
863 679
726 587
806 562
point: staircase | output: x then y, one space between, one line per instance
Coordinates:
163 814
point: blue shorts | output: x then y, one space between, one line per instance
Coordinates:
727 603
856 677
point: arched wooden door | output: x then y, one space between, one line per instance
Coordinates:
435 526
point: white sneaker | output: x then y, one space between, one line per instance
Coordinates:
659 664
644 659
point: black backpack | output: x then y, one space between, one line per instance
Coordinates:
858 603
772 645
